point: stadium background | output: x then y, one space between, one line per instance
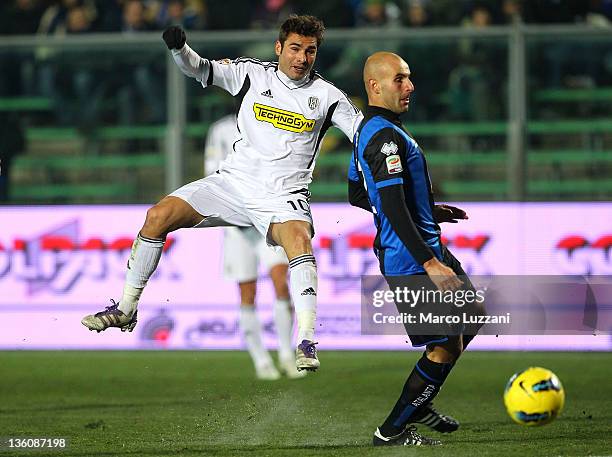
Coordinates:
513 109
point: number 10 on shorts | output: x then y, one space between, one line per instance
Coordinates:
300 204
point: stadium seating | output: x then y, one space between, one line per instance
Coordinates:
568 140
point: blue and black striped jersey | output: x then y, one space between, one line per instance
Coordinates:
385 157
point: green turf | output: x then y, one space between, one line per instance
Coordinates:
207 403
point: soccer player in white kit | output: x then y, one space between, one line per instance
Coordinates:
285 108
243 249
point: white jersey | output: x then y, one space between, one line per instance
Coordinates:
281 121
221 137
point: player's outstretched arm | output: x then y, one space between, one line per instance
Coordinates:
189 62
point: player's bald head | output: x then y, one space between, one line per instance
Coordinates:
379 65
386 77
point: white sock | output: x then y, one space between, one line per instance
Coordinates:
143 261
303 286
251 332
283 320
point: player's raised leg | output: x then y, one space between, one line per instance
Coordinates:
295 237
170 214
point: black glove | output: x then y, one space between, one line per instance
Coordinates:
174 37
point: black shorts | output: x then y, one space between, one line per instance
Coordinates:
418 333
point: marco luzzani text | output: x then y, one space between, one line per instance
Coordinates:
422 297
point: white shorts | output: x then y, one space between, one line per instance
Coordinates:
243 249
223 202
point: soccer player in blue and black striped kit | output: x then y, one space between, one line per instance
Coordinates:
388 176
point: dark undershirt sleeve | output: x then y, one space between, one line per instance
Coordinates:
394 207
358 196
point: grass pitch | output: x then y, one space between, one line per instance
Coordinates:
208 403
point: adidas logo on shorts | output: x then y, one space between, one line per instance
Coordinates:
309 291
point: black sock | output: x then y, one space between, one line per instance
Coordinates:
420 388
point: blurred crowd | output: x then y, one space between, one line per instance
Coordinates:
83 16
464 80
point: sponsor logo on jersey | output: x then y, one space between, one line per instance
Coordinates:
267 93
282 119
394 164
313 102
389 148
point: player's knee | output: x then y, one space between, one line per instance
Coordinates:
278 274
168 215
248 290
281 289
301 242
294 237
446 352
157 220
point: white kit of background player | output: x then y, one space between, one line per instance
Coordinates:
285 108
